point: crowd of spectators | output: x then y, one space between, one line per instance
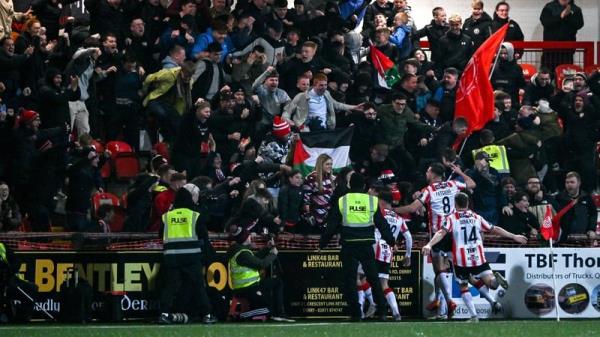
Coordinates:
226 89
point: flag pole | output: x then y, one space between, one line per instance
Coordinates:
497 56
554 281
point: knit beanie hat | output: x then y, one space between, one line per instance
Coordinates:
28 116
281 127
238 234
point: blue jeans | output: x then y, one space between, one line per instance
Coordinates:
167 117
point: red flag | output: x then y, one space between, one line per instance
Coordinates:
550 228
475 96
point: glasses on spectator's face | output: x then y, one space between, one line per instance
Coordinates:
533 182
400 103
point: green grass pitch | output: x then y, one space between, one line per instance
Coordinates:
587 328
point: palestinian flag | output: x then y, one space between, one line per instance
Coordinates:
387 73
335 143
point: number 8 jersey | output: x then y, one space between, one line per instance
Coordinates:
467 243
439 200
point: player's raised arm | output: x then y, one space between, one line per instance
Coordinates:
502 232
439 235
468 180
410 208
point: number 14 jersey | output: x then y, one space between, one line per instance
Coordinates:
467 242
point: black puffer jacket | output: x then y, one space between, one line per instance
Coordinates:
478 29
457 50
557 28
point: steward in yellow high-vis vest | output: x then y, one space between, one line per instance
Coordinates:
184 238
497 157
356 216
265 296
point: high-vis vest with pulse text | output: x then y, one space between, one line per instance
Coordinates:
179 236
3 257
357 209
240 276
498 157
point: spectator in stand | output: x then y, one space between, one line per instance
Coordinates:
175 58
104 215
139 203
299 65
396 120
508 113
140 46
539 200
508 75
561 20
539 87
521 220
83 178
379 161
194 140
170 97
54 112
401 6
426 67
521 148
498 126
10 214
217 33
479 25
401 36
209 76
514 32
10 66
272 98
107 16
318 189
367 127
183 34
582 125
485 196
8 15
249 67
315 109
434 32
383 7
407 86
445 93
275 149
164 200
576 210
455 45
290 201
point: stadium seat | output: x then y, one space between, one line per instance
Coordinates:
104 198
106 169
528 70
565 70
589 70
124 161
162 149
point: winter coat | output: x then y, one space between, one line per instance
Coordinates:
519 146
394 126
534 92
557 28
434 33
478 29
457 50
54 102
581 218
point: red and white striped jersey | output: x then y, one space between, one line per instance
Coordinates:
439 200
467 243
383 251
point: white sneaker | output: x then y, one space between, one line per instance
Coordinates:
397 318
501 281
371 311
282 319
472 320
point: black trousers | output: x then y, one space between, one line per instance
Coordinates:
351 255
187 283
268 293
